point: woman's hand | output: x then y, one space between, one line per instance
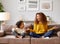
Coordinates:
53 28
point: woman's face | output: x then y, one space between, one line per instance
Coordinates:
22 25
38 17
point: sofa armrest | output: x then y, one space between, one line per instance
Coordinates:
58 33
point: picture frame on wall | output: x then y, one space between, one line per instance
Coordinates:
22 1
32 5
22 7
46 5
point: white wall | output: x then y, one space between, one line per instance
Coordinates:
12 7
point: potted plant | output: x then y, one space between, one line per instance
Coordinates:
1 7
1 11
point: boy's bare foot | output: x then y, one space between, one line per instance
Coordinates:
17 36
20 37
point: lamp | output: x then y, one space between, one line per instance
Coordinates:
4 16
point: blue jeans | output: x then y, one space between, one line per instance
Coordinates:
22 34
47 34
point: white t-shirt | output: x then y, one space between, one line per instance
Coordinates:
20 30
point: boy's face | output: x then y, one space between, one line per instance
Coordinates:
22 25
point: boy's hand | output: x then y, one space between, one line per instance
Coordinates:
27 30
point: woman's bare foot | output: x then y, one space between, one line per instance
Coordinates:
45 37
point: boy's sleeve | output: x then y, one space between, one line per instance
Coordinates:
14 33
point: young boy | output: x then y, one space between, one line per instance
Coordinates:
19 32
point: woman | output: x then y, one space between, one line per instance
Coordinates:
41 27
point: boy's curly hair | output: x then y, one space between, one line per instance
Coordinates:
18 24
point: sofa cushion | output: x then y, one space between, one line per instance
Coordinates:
14 40
58 33
54 40
4 40
19 41
7 29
